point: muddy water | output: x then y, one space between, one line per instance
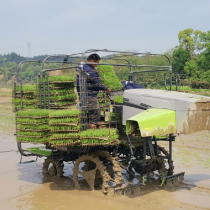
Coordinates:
24 187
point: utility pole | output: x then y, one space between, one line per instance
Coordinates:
29 49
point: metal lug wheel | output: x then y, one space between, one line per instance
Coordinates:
53 167
88 169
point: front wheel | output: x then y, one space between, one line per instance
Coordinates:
53 167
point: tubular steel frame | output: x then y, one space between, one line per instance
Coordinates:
83 79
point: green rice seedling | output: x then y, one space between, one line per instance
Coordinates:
62 91
92 142
118 99
26 106
64 136
39 151
59 78
64 113
109 78
35 113
63 120
28 96
103 105
98 132
33 127
33 140
26 101
32 133
32 121
26 88
65 142
71 96
62 78
100 95
101 100
63 104
63 128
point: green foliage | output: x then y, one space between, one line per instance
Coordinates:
180 88
180 57
204 40
109 78
204 92
192 70
206 76
189 40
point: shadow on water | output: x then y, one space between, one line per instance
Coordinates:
196 177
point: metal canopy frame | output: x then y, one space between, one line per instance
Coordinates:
118 56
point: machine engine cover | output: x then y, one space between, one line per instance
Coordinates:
192 111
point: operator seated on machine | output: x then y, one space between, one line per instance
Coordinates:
94 85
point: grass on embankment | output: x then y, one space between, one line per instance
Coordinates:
187 89
7 118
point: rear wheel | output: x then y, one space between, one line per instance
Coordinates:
88 169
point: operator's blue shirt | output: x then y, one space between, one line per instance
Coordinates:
131 85
93 82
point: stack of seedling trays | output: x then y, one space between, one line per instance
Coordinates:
32 125
103 100
25 97
61 92
65 127
97 137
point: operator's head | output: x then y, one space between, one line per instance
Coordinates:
93 58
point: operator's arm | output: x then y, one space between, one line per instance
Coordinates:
93 79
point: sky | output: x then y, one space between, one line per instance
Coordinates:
67 26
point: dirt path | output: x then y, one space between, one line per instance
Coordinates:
24 187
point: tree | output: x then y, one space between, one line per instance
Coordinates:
190 40
192 70
206 76
180 57
204 40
